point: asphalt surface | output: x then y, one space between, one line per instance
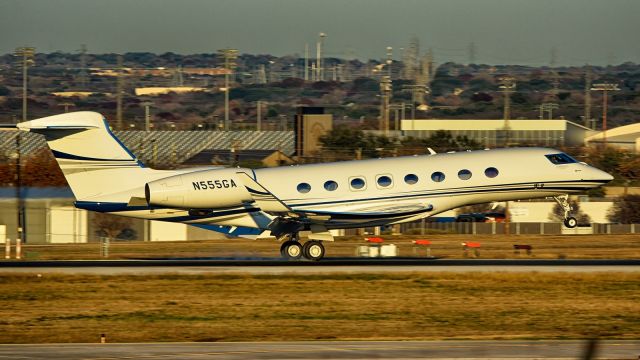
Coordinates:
328 350
328 265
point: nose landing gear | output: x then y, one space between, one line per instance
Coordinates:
563 201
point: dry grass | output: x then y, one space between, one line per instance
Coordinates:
68 308
493 246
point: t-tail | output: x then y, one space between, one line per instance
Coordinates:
92 159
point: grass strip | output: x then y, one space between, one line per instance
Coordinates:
78 308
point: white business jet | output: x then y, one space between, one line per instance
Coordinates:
284 201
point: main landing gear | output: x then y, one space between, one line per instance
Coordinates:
563 201
293 250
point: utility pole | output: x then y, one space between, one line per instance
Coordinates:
119 90
507 87
587 97
548 107
605 88
229 56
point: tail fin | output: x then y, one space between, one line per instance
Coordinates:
92 159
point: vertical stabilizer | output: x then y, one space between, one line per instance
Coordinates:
92 159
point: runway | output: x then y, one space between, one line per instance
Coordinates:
327 350
329 265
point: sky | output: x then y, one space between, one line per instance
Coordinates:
523 32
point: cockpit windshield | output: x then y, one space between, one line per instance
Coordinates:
561 159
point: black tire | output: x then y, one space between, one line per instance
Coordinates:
570 222
291 250
313 250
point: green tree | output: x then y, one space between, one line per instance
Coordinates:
345 140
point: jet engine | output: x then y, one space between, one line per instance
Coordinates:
207 189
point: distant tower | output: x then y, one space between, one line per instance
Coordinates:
472 53
430 63
410 60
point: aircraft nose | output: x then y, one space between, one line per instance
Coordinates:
602 176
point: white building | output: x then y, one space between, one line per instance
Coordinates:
626 137
496 133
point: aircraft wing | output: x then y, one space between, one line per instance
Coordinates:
265 200
371 212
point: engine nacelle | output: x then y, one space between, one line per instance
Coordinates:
208 189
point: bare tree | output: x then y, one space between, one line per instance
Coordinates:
111 226
625 210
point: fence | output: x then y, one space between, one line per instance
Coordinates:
541 228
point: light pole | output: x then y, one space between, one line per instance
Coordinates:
259 114
27 54
147 116
319 65
229 56
507 86
605 88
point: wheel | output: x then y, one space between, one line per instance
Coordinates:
570 222
291 250
313 250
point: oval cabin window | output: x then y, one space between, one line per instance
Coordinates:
331 185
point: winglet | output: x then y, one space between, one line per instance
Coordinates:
265 200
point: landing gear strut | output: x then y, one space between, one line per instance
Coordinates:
563 201
293 250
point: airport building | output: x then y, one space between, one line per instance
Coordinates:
496 133
51 218
625 137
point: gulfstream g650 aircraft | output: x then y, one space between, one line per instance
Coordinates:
106 177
